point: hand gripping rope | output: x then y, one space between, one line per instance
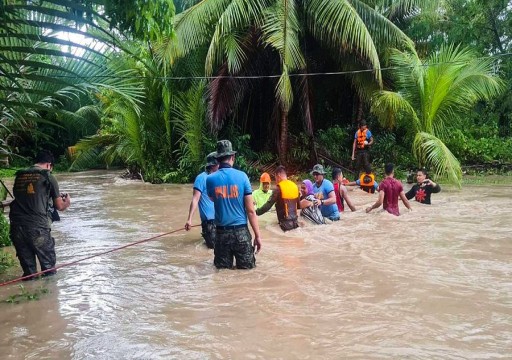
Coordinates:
90 257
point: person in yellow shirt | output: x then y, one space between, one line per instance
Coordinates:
264 193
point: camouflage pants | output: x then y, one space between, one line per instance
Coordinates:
31 243
235 243
209 233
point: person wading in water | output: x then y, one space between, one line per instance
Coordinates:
286 197
231 193
206 208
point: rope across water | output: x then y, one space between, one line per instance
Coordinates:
90 257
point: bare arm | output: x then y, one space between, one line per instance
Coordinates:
331 199
62 202
404 200
378 203
304 203
193 206
253 220
370 143
344 195
354 149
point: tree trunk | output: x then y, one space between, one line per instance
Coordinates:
359 111
283 138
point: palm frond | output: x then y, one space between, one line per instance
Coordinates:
432 151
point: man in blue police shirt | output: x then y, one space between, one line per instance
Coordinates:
231 193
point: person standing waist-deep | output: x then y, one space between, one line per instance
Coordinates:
200 198
231 193
286 196
34 191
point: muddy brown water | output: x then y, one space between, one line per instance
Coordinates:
435 283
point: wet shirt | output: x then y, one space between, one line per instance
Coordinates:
392 189
261 197
228 187
32 191
206 208
322 192
422 193
339 199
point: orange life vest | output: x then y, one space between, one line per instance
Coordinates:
289 200
361 138
367 182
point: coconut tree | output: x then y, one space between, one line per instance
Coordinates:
53 57
431 96
234 30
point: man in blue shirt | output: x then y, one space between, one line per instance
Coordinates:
206 209
324 193
231 193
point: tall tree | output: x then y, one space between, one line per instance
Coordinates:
353 32
433 95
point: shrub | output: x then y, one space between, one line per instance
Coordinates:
5 239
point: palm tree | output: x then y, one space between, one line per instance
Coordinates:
233 30
431 96
54 56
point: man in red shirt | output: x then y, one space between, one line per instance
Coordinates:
390 189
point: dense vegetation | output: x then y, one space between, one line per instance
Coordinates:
151 85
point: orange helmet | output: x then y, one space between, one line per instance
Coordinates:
265 178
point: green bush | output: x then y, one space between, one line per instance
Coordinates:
336 143
6 261
470 150
5 239
387 149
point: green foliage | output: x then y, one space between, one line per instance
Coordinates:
432 98
146 20
473 150
6 261
239 34
24 295
387 149
5 239
335 142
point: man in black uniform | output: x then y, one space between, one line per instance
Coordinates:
34 189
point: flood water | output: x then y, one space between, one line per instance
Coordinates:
435 283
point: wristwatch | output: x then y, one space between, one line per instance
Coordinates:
321 202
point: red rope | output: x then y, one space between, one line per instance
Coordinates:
90 257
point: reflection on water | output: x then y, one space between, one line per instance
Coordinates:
433 283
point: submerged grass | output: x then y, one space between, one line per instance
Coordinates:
24 295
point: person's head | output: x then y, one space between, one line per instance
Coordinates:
421 175
306 188
362 125
265 182
280 173
337 174
45 159
225 153
389 169
318 173
368 169
211 163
